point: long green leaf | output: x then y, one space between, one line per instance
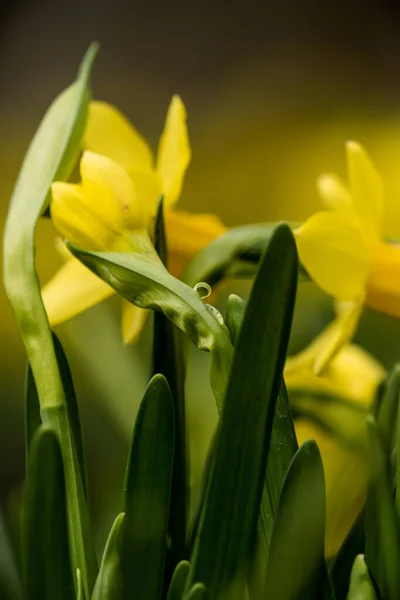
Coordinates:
72 406
296 554
230 511
46 564
283 447
147 494
109 580
382 525
168 361
50 156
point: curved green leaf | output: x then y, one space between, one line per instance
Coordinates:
230 510
108 584
147 494
50 156
146 283
296 554
178 581
46 563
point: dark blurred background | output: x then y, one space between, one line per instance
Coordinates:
272 89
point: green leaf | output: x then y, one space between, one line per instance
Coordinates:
80 536
389 408
178 581
210 265
230 511
145 282
168 361
32 410
361 587
382 526
109 580
353 545
50 156
147 494
46 563
296 554
72 406
197 592
283 447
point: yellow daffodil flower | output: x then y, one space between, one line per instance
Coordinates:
344 251
119 192
355 375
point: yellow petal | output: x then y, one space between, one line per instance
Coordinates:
366 190
148 189
173 151
109 193
333 192
73 290
187 234
73 219
334 252
383 286
109 133
133 320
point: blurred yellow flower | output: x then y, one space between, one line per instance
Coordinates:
354 375
343 248
119 192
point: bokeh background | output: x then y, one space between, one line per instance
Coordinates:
272 88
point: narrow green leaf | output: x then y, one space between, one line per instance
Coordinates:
83 557
146 283
72 406
230 511
168 361
197 592
109 580
389 408
50 156
361 587
344 561
178 581
283 447
46 564
147 494
296 554
382 525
